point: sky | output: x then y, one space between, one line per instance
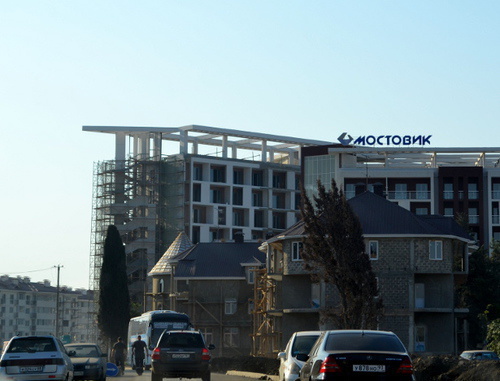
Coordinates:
307 69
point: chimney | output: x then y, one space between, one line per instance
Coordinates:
238 237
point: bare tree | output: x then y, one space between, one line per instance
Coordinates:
334 251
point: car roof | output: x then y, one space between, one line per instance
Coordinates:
361 331
307 333
479 351
75 344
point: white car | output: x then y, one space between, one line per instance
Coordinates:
300 342
40 358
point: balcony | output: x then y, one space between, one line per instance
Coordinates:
495 194
413 195
495 219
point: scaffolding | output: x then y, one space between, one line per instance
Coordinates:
266 337
144 199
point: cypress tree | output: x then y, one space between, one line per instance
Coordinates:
114 299
334 251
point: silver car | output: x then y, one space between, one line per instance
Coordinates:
300 342
41 358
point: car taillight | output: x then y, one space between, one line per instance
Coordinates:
156 354
329 365
205 354
406 367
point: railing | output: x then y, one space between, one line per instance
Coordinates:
495 194
495 219
413 195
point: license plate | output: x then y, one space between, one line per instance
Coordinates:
180 355
368 368
30 369
79 373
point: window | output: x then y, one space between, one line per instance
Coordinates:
258 219
208 335
448 212
473 192
373 250
251 275
198 172
296 249
448 191
436 250
421 211
258 178
422 191
197 192
218 196
218 174
230 306
251 306
420 333
231 337
238 176
238 196
401 192
257 199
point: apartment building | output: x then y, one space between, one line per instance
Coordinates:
31 308
463 183
419 262
216 184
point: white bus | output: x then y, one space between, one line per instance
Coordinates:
150 325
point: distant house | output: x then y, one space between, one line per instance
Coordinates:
419 260
214 284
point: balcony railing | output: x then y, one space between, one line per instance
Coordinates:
413 195
495 194
495 219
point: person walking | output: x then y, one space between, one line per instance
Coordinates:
118 354
139 353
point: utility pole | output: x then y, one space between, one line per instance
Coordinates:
57 300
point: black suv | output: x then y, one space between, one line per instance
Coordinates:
181 354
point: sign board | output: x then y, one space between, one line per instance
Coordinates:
111 370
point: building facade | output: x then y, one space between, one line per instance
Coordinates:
31 308
419 262
218 183
463 183
214 284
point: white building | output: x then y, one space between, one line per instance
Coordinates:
30 308
215 184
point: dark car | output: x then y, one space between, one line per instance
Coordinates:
479 355
42 358
357 355
181 354
89 362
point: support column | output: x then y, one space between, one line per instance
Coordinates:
183 142
120 146
264 151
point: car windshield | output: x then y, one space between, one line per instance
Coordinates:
486 356
84 350
303 344
363 342
181 340
31 345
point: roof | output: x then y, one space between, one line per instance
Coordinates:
218 260
379 216
180 244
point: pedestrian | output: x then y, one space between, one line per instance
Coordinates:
119 354
139 352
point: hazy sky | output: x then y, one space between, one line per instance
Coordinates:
309 69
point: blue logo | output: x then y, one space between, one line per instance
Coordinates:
385 140
111 370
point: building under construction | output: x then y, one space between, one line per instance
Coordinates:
217 184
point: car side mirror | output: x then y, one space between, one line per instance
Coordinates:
211 347
302 357
282 355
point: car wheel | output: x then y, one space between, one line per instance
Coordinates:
155 377
205 376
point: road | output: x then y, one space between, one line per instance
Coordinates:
131 375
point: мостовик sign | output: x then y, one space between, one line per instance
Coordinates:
385 140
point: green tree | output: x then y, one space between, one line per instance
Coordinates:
482 292
114 299
334 251
493 336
